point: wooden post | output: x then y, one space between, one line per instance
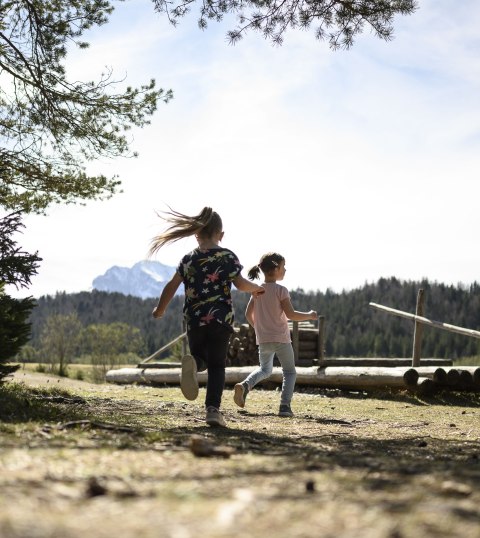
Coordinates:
295 340
417 335
321 338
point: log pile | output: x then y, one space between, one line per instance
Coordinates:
242 350
431 379
421 379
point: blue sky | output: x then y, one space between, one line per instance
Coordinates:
354 165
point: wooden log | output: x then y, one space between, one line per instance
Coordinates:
305 362
307 355
440 376
474 371
432 323
435 373
357 377
350 378
453 376
462 375
411 377
161 365
476 377
426 385
307 345
307 334
403 362
466 379
330 377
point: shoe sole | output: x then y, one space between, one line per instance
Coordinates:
285 415
238 395
188 378
215 423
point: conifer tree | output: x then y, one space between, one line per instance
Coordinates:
50 126
335 21
16 268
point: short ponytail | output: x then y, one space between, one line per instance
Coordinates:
268 263
254 272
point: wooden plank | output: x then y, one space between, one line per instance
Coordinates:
438 324
165 347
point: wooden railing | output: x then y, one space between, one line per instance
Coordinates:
420 320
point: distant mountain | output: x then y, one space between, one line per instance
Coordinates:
145 279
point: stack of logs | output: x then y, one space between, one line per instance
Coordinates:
243 350
429 379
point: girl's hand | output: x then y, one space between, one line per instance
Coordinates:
258 291
157 313
313 315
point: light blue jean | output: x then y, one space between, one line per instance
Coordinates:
266 353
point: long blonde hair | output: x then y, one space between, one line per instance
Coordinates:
205 224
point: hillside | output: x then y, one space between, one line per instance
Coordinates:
353 329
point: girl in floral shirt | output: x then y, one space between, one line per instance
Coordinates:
207 274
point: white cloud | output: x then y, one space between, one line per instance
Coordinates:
354 164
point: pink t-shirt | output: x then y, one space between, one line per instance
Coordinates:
271 323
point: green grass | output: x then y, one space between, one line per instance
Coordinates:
468 361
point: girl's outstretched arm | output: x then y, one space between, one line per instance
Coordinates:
295 315
243 284
167 295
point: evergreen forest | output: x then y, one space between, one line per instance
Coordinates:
352 327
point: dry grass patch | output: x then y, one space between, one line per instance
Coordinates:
116 461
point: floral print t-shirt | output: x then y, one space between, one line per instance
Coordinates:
207 276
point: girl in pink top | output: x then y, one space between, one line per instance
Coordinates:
269 314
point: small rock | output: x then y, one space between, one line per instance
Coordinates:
94 488
456 488
204 448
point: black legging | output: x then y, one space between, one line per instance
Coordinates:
209 345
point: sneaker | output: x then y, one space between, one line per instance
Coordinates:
240 394
285 411
214 417
188 378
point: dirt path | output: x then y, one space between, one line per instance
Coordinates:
38 379
119 461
